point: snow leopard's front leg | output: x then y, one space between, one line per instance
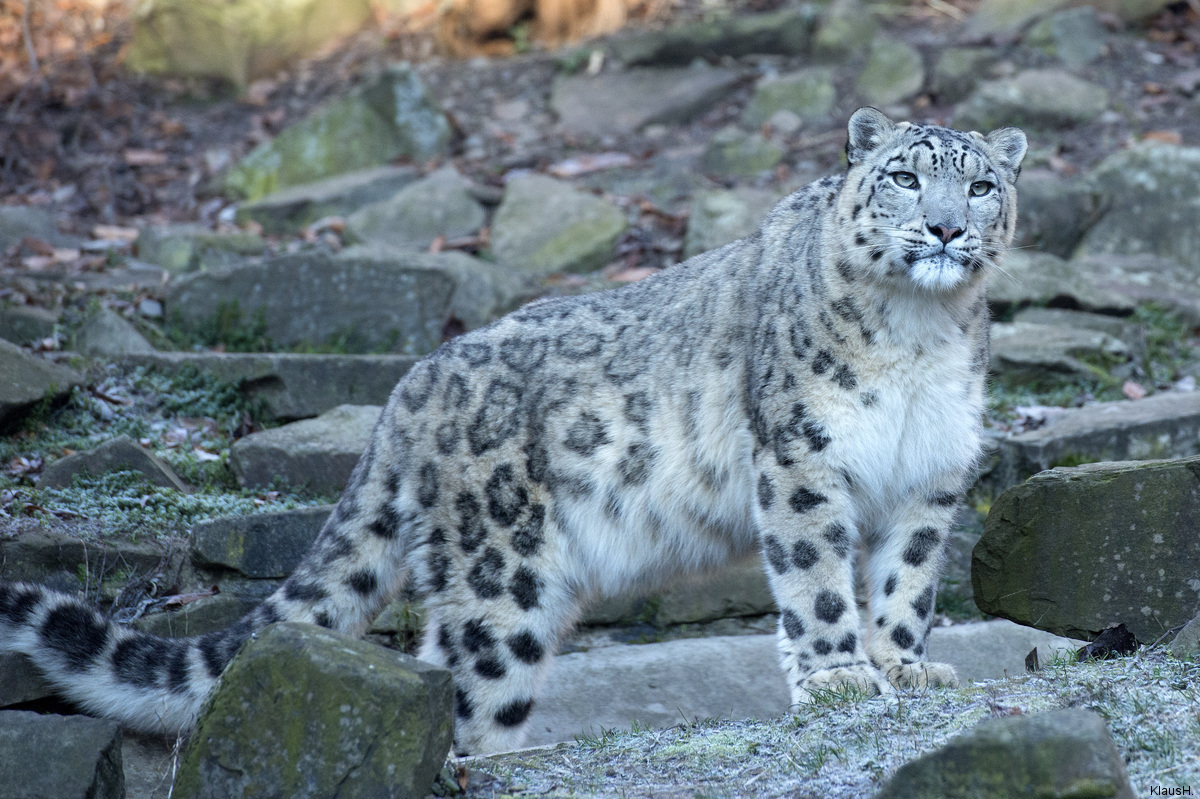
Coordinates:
904 568
808 543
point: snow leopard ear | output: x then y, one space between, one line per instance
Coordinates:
867 129
1007 146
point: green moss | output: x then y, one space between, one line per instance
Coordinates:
1166 347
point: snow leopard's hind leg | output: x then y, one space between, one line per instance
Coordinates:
904 570
495 620
808 542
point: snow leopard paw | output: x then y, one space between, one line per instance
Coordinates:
853 681
922 675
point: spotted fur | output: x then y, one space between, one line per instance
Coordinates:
812 387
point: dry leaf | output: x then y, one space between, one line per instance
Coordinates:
1164 136
115 232
136 157
1133 390
583 164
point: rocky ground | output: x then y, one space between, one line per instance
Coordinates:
204 300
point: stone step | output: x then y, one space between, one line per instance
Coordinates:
660 685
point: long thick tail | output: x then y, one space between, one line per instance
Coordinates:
157 684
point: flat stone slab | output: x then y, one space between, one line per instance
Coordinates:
624 102
1036 98
295 207
85 754
1073 550
118 454
1164 425
660 685
295 386
1030 351
787 31
25 324
306 712
318 454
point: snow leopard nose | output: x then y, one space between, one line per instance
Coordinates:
946 233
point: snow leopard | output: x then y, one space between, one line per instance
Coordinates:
807 392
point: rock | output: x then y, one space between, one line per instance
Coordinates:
1164 425
995 649
187 247
316 454
20 681
1152 194
62 560
28 380
1009 17
625 102
1059 753
238 40
197 618
1186 644
845 28
958 70
894 72
303 711
438 205
262 545
1072 550
22 324
1129 10
1028 353
1076 36
314 298
21 221
719 217
1035 98
732 151
390 117
1132 334
115 455
106 333
545 226
293 208
294 386
1054 212
808 93
787 31
80 757
1115 284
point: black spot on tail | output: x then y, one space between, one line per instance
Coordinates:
490 668
526 647
464 708
76 633
485 577
298 590
137 660
477 636
803 500
805 555
514 713
17 602
775 554
363 581
526 588
527 536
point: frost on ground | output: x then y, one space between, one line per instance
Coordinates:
848 746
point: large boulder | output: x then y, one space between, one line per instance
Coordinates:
1076 36
307 712
1073 550
1060 753
1009 17
373 125
545 226
808 93
893 72
293 385
359 303
186 247
22 324
238 40
624 102
733 151
118 454
1153 204
787 31
20 681
28 380
293 208
317 454
65 757
438 205
1035 98
1054 212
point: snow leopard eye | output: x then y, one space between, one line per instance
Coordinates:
981 187
905 180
